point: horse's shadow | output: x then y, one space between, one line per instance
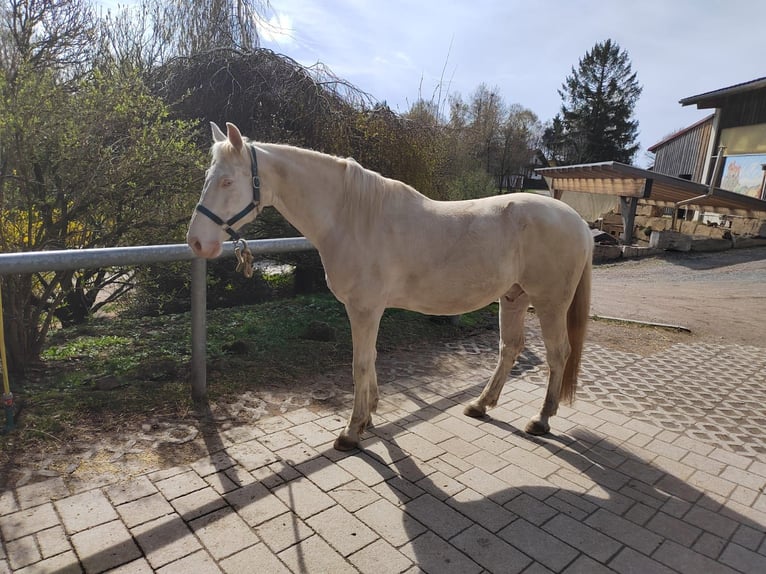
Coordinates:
605 506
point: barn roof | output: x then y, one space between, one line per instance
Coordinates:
679 133
614 178
715 98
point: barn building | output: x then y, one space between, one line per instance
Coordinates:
712 172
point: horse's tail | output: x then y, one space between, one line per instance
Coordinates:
577 323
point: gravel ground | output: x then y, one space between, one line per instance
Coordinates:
720 296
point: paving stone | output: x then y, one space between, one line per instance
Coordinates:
625 531
23 552
586 565
198 503
342 530
628 561
38 493
488 485
354 495
200 563
418 446
66 563
709 545
713 522
743 559
433 555
140 566
538 544
312 434
481 509
165 540
303 497
685 560
130 490
105 546
255 503
221 482
369 471
8 502
390 522
437 516
252 455
283 531
180 484
324 473
441 485
215 463
489 550
144 509
85 510
223 533
673 529
582 537
380 558
255 558
24 522
315 555
52 541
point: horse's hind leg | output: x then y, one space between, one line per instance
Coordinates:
513 308
553 323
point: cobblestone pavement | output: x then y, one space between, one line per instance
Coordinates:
658 467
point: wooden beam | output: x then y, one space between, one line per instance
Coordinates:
628 212
625 187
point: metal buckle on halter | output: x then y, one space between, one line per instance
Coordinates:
244 258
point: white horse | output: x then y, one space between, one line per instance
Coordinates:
383 244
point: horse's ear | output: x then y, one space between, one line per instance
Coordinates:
232 132
218 135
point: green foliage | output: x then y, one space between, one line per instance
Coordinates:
598 100
95 162
471 185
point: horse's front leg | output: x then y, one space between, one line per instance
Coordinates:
364 333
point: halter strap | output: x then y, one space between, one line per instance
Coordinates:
254 203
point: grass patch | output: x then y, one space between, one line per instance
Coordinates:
115 372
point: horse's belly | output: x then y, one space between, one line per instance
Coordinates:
447 297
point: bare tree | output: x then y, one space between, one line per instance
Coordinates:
47 34
202 25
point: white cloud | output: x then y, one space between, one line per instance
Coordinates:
277 30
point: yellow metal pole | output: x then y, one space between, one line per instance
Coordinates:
7 395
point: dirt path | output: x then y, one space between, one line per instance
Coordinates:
719 296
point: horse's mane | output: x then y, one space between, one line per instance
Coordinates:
366 192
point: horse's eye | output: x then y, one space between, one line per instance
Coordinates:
226 182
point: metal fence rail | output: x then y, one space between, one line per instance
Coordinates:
72 259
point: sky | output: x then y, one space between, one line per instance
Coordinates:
398 51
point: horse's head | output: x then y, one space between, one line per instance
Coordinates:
230 196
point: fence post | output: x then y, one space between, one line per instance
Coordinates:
199 329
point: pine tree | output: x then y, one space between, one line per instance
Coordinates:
598 100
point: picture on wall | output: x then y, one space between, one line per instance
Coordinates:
744 174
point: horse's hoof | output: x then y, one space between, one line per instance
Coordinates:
537 428
343 444
474 410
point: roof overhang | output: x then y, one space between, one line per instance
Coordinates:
717 98
652 188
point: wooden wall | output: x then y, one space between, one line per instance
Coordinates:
686 153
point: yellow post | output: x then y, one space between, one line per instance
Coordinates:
7 395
